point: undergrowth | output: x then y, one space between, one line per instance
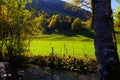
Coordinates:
81 65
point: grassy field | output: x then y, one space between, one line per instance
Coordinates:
74 45
74 48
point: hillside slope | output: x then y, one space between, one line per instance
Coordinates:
59 7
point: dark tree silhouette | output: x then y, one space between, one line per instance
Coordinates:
105 43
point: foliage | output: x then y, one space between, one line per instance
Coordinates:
16 26
118 0
117 17
52 23
69 19
40 24
77 25
55 20
88 23
59 23
82 65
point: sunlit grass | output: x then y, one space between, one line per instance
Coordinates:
72 48
76 45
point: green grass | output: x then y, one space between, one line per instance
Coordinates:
74 45
117 31
73 48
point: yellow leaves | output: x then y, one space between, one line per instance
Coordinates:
37 23
3 11
68 18
117 17
77 25
76 1
88 23
8 20
52 23
54 20
27 13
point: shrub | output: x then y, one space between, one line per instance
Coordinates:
69 63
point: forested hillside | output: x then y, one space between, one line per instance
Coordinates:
61 7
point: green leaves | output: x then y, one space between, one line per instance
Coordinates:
118 1
24 2
16 24
117 17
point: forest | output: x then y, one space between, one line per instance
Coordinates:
58 40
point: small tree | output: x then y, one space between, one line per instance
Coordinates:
77 25
16 26
52 23
55 23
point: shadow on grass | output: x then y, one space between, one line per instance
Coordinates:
85 32
117 32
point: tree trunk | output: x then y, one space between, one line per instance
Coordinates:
93 13
105 45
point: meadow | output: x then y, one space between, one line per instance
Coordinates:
73 48
61 45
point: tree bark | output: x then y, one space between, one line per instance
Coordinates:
105 43
93 13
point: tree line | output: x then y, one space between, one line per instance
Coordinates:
57 23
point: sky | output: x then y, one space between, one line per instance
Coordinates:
114 4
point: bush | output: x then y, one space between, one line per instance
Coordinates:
69 63
16 26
